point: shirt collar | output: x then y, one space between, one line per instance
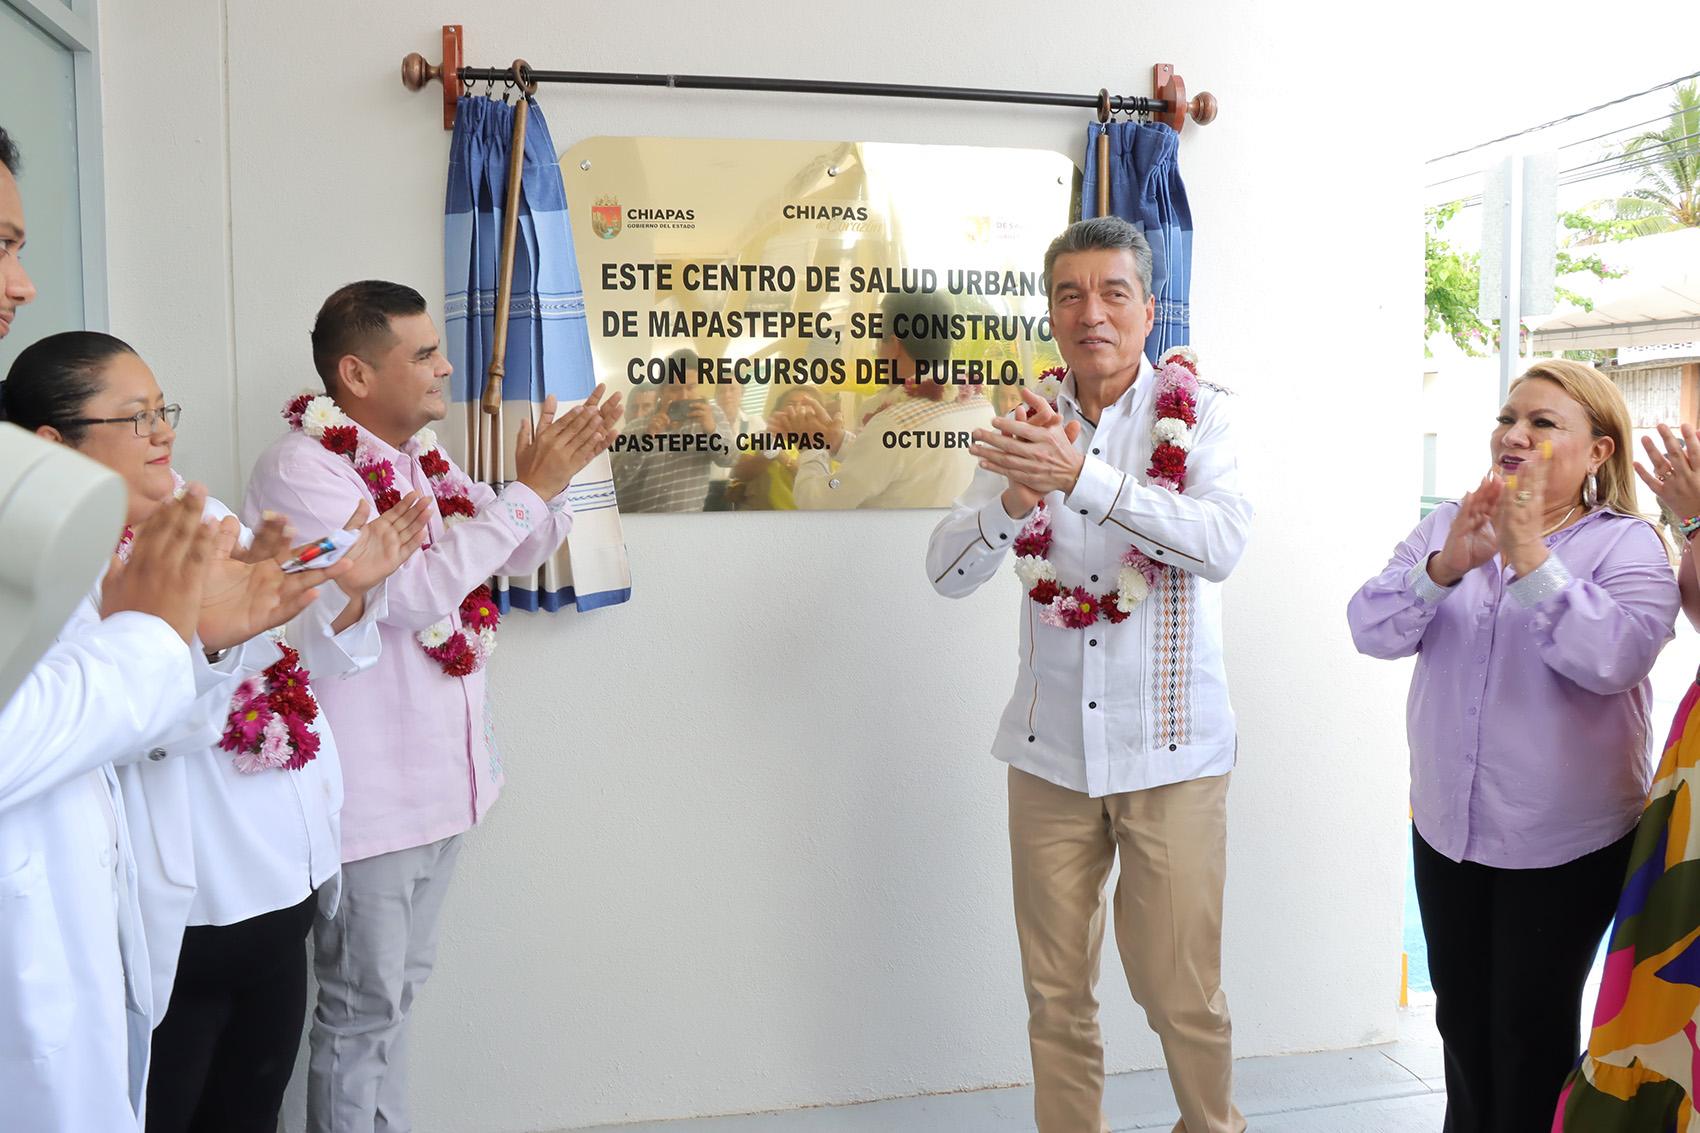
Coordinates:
1126 401
382 448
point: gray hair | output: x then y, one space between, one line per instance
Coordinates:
1101 233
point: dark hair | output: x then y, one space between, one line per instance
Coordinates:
355 319
53 380
9 152
1101 233
929 312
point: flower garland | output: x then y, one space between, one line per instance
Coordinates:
459 650
271 717
1176 415
269 725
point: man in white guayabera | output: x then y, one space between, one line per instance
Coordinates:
1120 499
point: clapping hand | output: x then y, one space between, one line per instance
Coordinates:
1521 520
1471 541
1675 474
242 600
550 454
1033 450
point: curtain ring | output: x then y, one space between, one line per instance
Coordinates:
521 73
1103 106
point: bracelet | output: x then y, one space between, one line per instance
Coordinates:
1689 526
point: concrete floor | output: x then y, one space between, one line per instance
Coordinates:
1395 1088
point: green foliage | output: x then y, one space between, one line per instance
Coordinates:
1452 283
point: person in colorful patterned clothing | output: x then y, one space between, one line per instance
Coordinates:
1121 503
1535 607
1642 1064
418 759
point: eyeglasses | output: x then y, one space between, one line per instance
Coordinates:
143 422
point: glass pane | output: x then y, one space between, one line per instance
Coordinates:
45 129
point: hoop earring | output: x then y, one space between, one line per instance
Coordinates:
1591 491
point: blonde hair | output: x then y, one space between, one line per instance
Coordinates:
1608 416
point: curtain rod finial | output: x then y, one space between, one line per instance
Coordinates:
1203 108
416 72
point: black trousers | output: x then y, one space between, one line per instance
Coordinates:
1509 951
223 1054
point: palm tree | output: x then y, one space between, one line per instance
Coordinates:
1668 194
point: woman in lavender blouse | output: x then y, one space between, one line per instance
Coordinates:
1535 606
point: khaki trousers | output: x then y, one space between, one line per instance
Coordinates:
1168 914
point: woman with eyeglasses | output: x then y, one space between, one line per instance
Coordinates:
232 819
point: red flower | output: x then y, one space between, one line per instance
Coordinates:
341 439
434 464
478 611
463 664
242 731
306 742
1178 404
386 499
1044 592
1110 610
460 504
297 406
1038 545
1084 611
293 701
1168 460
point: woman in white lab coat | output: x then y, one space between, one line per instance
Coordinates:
236 842
75 993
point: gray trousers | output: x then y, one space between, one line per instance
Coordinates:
371 959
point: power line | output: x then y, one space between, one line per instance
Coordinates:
1566 118
1627 162
1665 117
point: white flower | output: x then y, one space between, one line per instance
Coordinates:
1184 354
487 638
1032 570
455 520
426 438
432 636
321 414
1131 589
1174 431
1048 388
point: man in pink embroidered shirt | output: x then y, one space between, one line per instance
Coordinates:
419 763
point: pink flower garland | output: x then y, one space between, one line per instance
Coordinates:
1175 415
271 717
460 651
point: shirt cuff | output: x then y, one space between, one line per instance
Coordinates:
1097 491
520 507
1541 583
997 528
1426 588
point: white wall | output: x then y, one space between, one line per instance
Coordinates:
753 852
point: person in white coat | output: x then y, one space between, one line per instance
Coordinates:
234 837
73 1027
75 994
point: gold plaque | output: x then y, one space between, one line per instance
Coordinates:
810 324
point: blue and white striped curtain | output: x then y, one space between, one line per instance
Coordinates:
548 349
1146 190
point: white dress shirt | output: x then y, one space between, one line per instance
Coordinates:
1113 708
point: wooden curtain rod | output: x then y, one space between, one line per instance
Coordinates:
1168 104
